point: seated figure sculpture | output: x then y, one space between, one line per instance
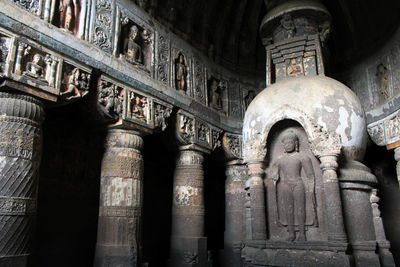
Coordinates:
291 188
132 50
33 68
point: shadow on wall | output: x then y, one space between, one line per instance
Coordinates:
69 183
383 165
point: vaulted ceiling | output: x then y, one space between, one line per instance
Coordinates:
227 30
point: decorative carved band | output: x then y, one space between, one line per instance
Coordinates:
21 106
120 211
17 206
189 157
189 211
124 139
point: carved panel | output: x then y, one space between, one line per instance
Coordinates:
377 133
216 133
110 98
161 113
103 25
392 130
233 145
36 66
199 82
163 59
75 81
139 108
186 127
203 134
5 46
33 6
380 81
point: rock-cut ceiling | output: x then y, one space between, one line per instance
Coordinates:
228 30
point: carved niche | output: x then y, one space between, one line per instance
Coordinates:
135 44
36 66
110 98
75 82
380 80
235 99
181 69
294 187
72 16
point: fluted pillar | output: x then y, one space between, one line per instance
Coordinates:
119 226
20 152
235 199
257 201
188 244
333 201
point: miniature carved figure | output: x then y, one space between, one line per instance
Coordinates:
180 73
111 98
132 50
69 10
287 26
78 85
215 95
34 68
294 67
139 106
382 80
291 189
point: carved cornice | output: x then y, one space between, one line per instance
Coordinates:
192 130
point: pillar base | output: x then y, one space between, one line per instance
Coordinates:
189 251
114 256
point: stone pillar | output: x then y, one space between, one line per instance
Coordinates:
356 183
188 244
235 199
20 152
386 257
119 226
397 158
333 201
257 202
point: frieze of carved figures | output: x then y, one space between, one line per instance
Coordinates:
377 134
4 51
161 114
102 25
111 98
186 127
233 145
75 84
393 129
36 65
138 107
163 59
181 73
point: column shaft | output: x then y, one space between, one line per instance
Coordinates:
119 226
257 201
188 244
397 158
334 209
235 199
20 152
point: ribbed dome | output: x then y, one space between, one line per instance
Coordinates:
327 102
